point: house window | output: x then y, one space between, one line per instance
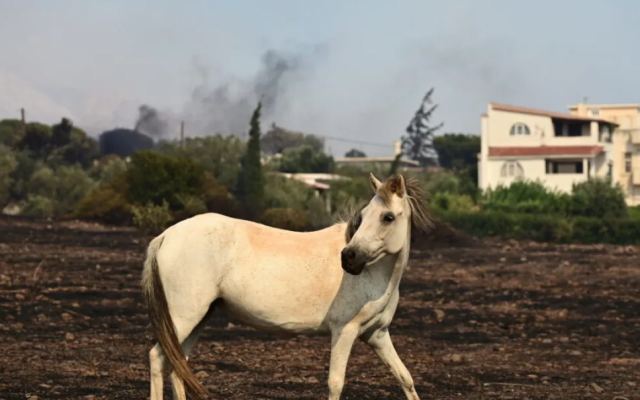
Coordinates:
564 167
569 128
519 129
627 162
511 169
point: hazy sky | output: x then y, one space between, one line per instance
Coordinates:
351 69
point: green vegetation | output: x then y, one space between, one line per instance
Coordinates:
56 172
250 185
595 212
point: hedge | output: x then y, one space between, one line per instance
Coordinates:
546 227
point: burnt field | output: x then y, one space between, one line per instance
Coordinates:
494 320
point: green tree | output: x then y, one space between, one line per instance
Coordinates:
417 144
8 164
598 198
218 155
153 178
53 193
11 132
37 139
61 133
355 153
250 186
305 159
458 151
278 139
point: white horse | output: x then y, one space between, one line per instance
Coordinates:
276 279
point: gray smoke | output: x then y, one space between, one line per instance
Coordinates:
226 108
151 122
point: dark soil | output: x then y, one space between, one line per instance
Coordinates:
494 320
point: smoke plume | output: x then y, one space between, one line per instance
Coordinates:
151 122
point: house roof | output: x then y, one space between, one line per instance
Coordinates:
551 114
583 151
605 106
383 159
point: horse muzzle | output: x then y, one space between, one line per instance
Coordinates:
352 261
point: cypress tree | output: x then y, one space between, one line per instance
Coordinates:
250 187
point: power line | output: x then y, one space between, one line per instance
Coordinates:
355 141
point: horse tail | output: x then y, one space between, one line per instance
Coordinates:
162 324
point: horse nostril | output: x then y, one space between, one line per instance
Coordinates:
348 254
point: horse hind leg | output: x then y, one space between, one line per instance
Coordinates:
156 366
187 345
188 335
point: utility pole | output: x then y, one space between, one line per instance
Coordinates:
182 134
23 119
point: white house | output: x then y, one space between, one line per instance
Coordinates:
558 149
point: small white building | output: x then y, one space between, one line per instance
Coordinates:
558 149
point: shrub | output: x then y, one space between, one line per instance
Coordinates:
64 188
282 192
317 213
452 202
217 198
546 227
39 206
189 206
304 159
611 230
519 226
350 193
218 155
525 197
154 178
597 198
107 202
151 218
285 218
8 164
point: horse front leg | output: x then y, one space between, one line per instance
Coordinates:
341 344
381 343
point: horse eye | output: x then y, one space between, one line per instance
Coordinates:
389 217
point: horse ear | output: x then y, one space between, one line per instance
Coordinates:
396 185
375 183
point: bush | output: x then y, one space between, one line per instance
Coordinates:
304 159
64 188
452 202
317 213
282 192
107 202
218 155
151 218
154 178
350 193
8 164
285 218
525 197
597 198
518 226
546 227
39 206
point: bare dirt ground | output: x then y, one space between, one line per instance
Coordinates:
497 320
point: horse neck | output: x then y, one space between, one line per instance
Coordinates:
395 267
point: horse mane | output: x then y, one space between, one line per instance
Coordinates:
420 216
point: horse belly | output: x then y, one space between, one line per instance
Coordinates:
279 297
